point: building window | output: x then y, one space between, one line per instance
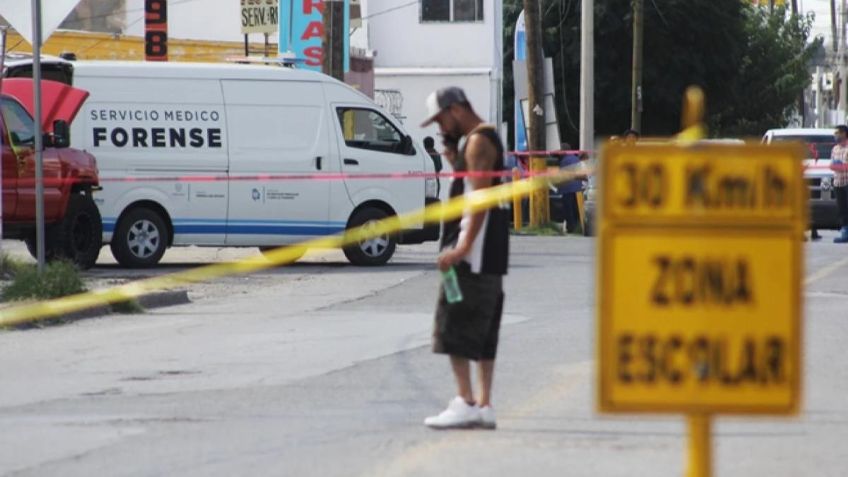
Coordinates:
451 11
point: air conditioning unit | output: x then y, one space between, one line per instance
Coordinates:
828 82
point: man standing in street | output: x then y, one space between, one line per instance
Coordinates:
476 249
839 164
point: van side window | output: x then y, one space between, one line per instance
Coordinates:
19 123
368 129
62 73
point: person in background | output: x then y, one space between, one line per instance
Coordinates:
630 136
569 191
430 147
839 164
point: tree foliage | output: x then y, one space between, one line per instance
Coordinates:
752 63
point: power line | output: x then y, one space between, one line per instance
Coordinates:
389 10
131 10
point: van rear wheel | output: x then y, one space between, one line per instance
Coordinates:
140 238
374 251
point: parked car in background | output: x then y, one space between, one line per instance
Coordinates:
817 173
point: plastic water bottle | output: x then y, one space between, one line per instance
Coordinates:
449 281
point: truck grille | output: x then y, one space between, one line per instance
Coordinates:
816 192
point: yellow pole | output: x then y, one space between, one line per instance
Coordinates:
700 448
700 460
538 199
580 211
516 201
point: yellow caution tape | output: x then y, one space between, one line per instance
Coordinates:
476 201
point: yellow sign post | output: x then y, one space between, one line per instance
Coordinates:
700 256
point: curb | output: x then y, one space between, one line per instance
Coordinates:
163 299
147 302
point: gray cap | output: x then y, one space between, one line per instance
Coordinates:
442 99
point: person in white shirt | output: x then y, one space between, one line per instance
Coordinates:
839 164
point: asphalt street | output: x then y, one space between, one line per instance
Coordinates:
324 369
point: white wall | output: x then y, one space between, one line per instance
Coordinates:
216 20
417 86
401 40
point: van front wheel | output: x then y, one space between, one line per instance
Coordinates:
140 239
374 251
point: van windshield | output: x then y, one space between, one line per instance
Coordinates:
819 145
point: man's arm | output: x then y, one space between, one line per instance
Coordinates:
834 154
479 157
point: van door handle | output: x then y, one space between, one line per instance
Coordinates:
351 162
318 163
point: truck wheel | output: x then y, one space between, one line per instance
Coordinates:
376 251
140 239
77 238
49 253
266 250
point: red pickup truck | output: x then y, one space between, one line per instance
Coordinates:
73 228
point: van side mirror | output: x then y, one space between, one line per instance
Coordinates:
61 134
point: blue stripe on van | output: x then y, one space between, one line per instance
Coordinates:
246 227
249 222
257 229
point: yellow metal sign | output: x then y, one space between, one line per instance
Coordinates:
700 278
741 185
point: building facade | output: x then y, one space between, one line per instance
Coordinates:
424 45
416 46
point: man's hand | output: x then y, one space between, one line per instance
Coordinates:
450 258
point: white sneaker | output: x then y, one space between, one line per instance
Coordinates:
487 418
458 415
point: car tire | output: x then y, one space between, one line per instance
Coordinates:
372 252
78 238
266 250
140 239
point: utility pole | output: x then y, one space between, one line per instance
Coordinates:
587 75
801 101
539 207
38 143
636 90
833 40
332 44
819 97
840 54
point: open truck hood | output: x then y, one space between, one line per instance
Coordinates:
58 100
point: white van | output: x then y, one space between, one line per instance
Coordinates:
188 155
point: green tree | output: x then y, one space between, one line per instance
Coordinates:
773 72
751 63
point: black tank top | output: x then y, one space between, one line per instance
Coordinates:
495 235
